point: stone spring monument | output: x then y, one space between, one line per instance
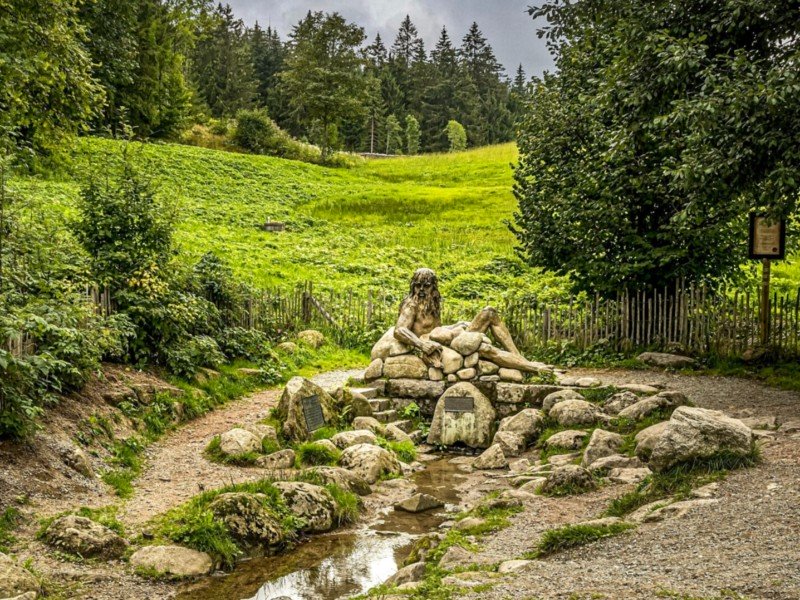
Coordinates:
455 373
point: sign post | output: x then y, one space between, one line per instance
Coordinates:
767 242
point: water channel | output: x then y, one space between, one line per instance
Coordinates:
340 564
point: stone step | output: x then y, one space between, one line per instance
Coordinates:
385 416
367 392
380 404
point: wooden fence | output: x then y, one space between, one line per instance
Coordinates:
692 319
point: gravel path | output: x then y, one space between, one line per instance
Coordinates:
748 543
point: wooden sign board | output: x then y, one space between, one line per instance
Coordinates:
767 238
312 411
459 404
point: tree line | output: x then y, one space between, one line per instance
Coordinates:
152 67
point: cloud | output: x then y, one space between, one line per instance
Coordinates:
506 24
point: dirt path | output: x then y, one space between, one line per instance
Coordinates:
176 469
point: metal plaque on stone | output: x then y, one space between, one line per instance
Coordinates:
312 410
459 404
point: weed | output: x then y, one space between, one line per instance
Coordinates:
9 521
571 536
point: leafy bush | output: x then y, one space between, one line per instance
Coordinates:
456 136
250 344
197 351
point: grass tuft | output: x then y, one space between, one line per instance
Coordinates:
311 454
572 536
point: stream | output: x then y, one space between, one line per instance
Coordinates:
340 564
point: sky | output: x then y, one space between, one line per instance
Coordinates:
505 23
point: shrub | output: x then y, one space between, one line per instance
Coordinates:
412 135
198 351
249 344
456 136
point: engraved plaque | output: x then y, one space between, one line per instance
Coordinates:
312 410
459 404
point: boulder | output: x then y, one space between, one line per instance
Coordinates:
512 443
290 407
388 346
639 388
238 441
327 444
602 443
620 401
571 439
248 518
435 374
406 366
629 475
472 428
414 388
527 423
575 412
472 361
467 374
311 503
370 462
445 335
347 480
15 580
175 561
665 361
374 370
492 458
394 433
647 439
419 503
698 433
512 375
76 459
467 342
311 337
456 557
370 423
452 361
345 439
648 406
615 461
559 460
675 510
560 396
487 368
568 479
282 459
262 432
355 401
408 574
84 537
588 382
287 347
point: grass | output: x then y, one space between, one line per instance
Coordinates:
10 519
572 536
406 451
215 454
314 455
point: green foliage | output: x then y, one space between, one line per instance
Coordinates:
572 536
9 520
456 136
347 504
410 411
259 134
311 454
106 516
405 451
394 137
412 135
183 359
662 128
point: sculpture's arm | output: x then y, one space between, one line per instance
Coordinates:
403 331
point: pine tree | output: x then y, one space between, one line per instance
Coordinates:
268 57
520 81
376 54
407 43
443 95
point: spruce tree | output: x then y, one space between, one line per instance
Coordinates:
268 56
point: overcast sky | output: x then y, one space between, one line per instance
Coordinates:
506 24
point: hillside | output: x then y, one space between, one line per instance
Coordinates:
369 226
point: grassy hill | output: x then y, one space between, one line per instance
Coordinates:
368 226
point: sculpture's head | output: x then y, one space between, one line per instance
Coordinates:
425 291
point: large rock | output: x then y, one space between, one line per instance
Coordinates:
347 480
602 443
311 503
248 518
414 388
527 423
517 393
560 396
238 441
356 403
15 580
698 433
311 337
473 429
452 361
290 407
666 361
419 503
370 423
263 432
84 537
175 561
570 439
406 366
512 375
76 459
647 439
374 370
395 434
512 443
389 346
575 412
281 459
568 479
351 438
486 367
492 458
409 574
445 335
620 401
370 462
648 406
467 342
615 461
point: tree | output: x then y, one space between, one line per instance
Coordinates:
324 77
444 96
394 138
412 135
665 125
457 136
268 56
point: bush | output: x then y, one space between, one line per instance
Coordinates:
248 344
198 351
456 136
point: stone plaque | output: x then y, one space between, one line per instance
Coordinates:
312 410
459 404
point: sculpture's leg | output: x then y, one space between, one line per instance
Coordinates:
489 319
512 361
